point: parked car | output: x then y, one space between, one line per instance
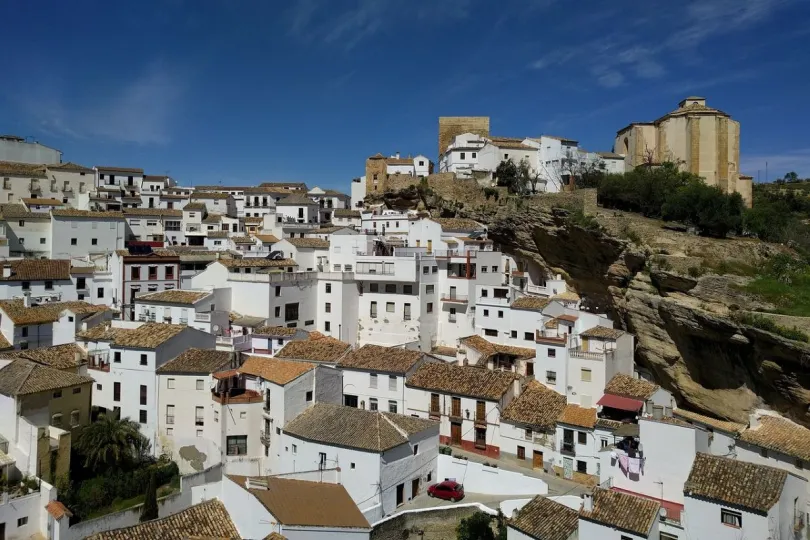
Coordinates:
448 490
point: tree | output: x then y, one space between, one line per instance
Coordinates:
111 443
507 175
791 177
475 527
711 211
150 506
527 176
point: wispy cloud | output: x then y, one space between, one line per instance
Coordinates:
140 112
778 163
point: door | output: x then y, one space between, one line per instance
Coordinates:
400 494
530 369
453 293
455 433
2 531
568 468
537 460
521 453
414 487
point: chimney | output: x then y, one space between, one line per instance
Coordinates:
6 270
27 299
516 387
753 420
587 502
397 155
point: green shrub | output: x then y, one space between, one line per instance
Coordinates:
707 208
694 271
769 325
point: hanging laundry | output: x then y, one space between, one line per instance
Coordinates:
634 465
623 462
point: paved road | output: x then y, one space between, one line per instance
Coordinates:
492 501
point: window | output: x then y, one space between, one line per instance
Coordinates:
490 332
21 522
22 223
372 380
24 331
374 287
426 270
117 357
407 312
153 272
500 314
389 307
582 437
552 353
321 460
135 273
143 394
49 285
26 285
100 292
373 310
372 404
277 311
392 407
390 288
521 452
429 307
604 443
200 384
582 467
41 240
94 241
236 445
295 449
731 518
513 334
81 283
528 336
56 420
278 290
392 382
327 326
494 269
429 289
199 412
142 416
291 312
462 155
309 396
551 377
143 359
328 307
484 269
435 269
486 313
169 272
74 418
116 391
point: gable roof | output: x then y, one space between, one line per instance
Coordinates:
194 206
602 332
316 243
38 270
174 296
740 483
628 386
296 199
45 313
93 214
575 415
351 427
147 336
22 377
275 370
67 356
28 170
544 519
468 381
276 331
488 348
780 435
197 361
537 406
208 519
257 262
317 348
302 503
531 303
379 358
622 511
722 425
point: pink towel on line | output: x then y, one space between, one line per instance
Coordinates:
623 462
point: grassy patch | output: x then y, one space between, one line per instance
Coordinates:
785 283
730 266
122 504
765 323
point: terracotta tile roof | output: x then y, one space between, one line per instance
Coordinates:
468 381
602 332
545 519
302 503
275 370
67 356
22 169
253 220
4 343
156 178
318 348
72 212
444 351
148 335
568 318
569 296
58 510
257 262
38 270
197 361
41 202
537 406
345 212
622 511
351 427
267 238
101 332
69 166
780 435
208 519
532 303
309 243
194 206
714 423
575 415
511 143
605 423
276 331
458 224
487 348
120 169
217 234
296 199
174 296
209 195
45 313
378 358
166 212
22 377
242 240
212 218
18 211
735 482
274 536
287 186
627 386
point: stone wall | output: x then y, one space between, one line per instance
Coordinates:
451 126
434 524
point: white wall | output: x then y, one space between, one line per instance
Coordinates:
478 478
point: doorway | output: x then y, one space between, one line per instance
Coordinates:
455 434
414 487
400 494
537 460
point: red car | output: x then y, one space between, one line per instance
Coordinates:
448 490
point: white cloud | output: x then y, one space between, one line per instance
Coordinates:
140 112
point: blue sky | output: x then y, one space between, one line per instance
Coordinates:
242 92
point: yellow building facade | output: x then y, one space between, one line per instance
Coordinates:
699 139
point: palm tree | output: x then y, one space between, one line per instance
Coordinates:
111 442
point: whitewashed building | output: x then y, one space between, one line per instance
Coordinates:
208 311
608 514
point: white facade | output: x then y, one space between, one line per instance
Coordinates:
82 235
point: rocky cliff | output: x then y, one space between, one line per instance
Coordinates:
686 334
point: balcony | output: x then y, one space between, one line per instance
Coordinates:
237 343
567 449
434 414
455 298
451 253
98 365
236 395
577 352
480 419
264 436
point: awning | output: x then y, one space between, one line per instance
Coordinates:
618 402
